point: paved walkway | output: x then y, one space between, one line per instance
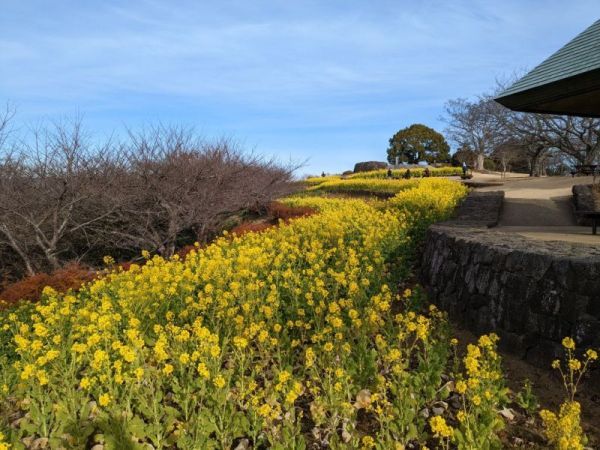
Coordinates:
541 208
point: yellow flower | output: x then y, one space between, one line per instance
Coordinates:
555 364
219 381
591 354
568 343
574 364
264 410
104 400
3 445
564 430
42 377
368 442
203 370
184 358
309 357
440 428
168 369
284 376
85 383
240 342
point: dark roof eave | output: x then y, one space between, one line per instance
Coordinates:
556 112
533 100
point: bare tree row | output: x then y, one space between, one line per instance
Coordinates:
65 197
485 129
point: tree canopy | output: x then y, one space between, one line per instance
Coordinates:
418 143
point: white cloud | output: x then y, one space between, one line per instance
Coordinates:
266 66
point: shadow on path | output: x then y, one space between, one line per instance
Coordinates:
554 212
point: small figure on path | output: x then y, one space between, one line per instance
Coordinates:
407 174
464 168
426 172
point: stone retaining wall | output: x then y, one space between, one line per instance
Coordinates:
532 293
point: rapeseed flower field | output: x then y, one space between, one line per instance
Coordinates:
381 174
415 172
361 185
296 337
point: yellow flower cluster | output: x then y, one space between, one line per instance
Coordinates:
228 342
429 197
440 428
564 431
3 444
414 171
482 392
364 185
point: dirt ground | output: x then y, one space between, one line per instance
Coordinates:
542 209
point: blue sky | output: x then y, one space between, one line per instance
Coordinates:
323 81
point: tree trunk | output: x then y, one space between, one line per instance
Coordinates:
479 161
17 248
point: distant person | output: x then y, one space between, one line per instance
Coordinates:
389 173
465 168
426 172
407 174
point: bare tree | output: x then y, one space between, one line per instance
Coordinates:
181 186
64 197
474 125
504 154
5 119
53 189
577 137
486 127
528 134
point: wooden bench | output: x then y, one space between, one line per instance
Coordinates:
593 215
585 169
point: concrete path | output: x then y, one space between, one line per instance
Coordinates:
541 208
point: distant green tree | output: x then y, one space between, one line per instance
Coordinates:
418 143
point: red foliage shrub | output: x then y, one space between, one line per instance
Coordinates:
275 211
30 288
126 265
183 251
281 211
251 227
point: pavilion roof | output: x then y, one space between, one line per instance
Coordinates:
568 82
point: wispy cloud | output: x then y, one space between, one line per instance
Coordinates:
304 78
